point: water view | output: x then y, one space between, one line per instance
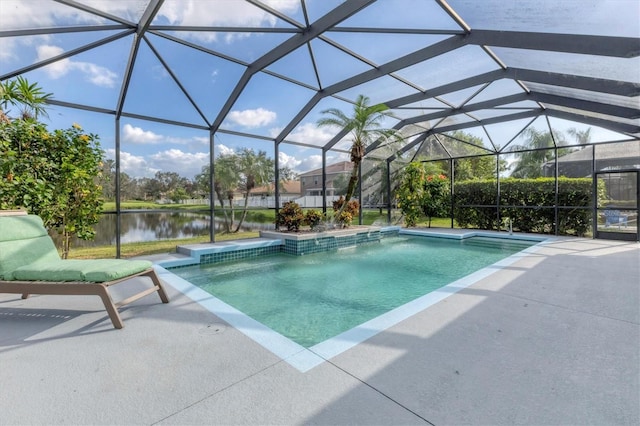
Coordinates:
145 226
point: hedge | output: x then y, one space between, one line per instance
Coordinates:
528 203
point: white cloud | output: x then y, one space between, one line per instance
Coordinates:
186 164
223 149
227 13
95 74
57 69
252 117
202 140
313 162
288 161
139 136
133 165
310 162
20 14
309 133
287 6
100 76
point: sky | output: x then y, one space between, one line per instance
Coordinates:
268 103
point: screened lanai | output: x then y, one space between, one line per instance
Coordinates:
169 86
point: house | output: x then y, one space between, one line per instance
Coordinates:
289 188
337 178
608 157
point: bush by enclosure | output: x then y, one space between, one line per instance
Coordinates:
530 204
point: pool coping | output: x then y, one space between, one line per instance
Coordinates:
304 359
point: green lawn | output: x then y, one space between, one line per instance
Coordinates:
150 247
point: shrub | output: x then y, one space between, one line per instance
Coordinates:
290 216
529 203
313 218
345 218
52 174
352 209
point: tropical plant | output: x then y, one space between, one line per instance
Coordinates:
583 137
421 192
54 175
313 218
237 172
290 216
365 127
539 149
435 201
409 193
345 211
29 98
225 181
254 170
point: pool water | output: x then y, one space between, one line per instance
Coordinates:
312 298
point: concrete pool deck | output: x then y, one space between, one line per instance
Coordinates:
553 338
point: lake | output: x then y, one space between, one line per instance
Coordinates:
144 226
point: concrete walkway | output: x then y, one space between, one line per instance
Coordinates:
552 339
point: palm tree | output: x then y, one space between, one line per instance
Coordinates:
225 182
540 151
255 170
365 127
29 98
583 137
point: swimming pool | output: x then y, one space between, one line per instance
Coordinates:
315 301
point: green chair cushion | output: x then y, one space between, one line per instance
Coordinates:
89 270
101 270
56 270
16 253
14 228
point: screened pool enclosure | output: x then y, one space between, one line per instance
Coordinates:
494 93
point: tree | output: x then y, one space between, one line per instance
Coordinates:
479 166
540 149
167 183
365 127
54 175
422 192
225 182
254 170
583 137
108 179
29 98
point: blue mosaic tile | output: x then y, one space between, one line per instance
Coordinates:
238 254
297 247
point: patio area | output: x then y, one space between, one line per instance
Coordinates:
552 339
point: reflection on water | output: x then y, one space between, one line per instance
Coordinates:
141 226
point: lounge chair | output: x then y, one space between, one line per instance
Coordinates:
30 264
615 217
